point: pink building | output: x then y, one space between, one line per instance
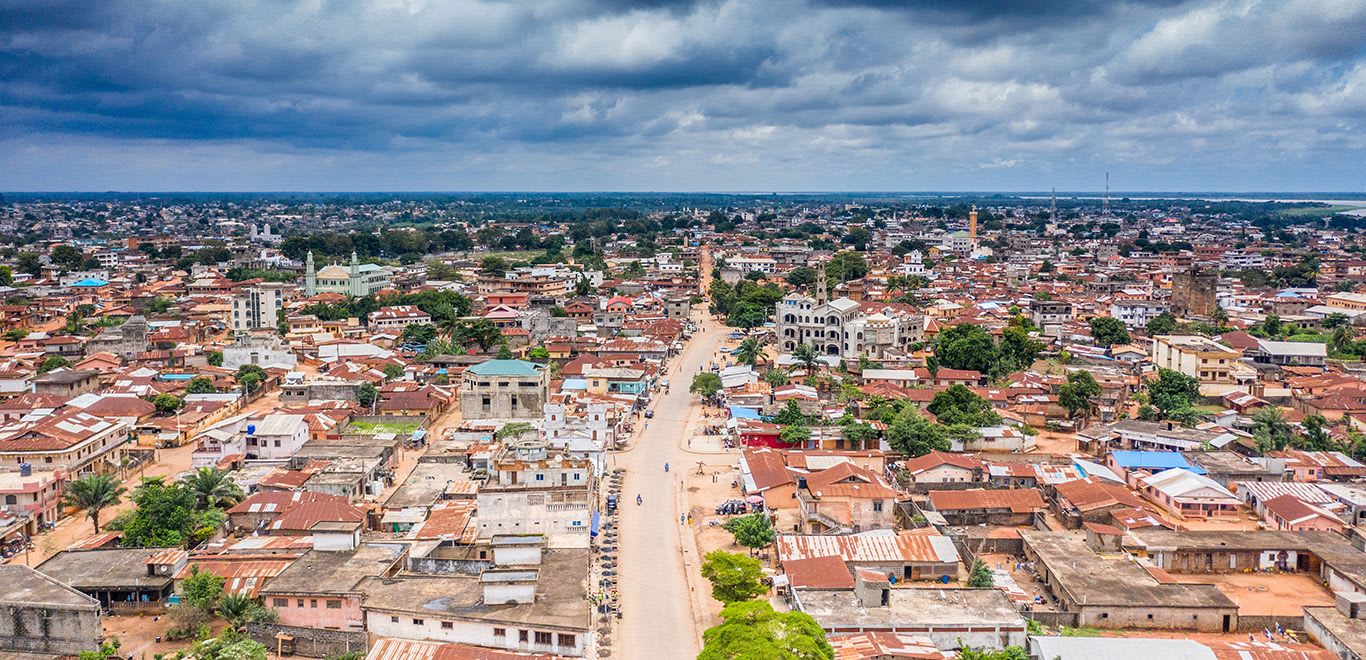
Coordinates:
1290 513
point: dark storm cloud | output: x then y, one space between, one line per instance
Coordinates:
664 94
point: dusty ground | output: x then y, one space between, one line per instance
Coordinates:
1267 593
1246 522
1023 579
137 635
707 490
1050 442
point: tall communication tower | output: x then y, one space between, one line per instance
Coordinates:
1053 207
1105 205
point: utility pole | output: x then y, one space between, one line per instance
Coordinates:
1105 206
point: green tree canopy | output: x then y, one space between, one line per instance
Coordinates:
705 383
752 629
1108 331
753 531
966 346
734 577
200 385
1078 394
94 493
914 435
960 405
1173 390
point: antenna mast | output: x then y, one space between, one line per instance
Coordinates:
1053 207
1105 208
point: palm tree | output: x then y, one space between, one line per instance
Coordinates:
805 355
93 492
212 487
749 352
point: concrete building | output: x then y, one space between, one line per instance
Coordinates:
951 618
532 601
1137 313
847 329
1118 593
258 306
1050 312
73 441
118 577
125 340
1341 628
532 490
41 615
357 280
322 589
261 350
1193 293
1200 357
504 389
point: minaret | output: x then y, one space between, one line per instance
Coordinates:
972 226
822 286
310 276
355 275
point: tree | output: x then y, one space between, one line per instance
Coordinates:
418 333
200 385
749 352
913 435
212 488
504 351
752 629
747 315
1108 331
164 517
159 304
66 256
846 266
15 334
734 577
94 493
753 531
168 403
53 362
801 276
1017 350
1271 325
1173 390
29 262
706 384
1270 429
776 377
367 394
240 609
214 358
480 332
960 405
392 371
1316 436
1077 395
858 434
1162 324
966 346
513 430
538 354
980 577
1334 320
805 355
795 436
493 266
201 589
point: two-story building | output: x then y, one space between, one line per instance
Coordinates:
504 389
534 490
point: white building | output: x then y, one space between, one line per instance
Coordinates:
258 306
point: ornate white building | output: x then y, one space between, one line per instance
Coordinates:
845 328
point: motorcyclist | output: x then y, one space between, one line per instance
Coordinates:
666 467
639 500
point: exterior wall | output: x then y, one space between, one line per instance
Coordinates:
563 515
96 455
49 630
503 397
313 611
478 633
944 474
1158 618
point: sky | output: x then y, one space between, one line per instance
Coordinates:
745 95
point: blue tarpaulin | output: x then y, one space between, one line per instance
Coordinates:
593 530
742 412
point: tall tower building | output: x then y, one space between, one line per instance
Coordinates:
972 226
310 276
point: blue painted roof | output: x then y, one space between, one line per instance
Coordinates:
1153 460
504 368
742 412
91 281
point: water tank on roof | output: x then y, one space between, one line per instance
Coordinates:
251 429
25 469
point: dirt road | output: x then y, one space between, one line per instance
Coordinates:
659 619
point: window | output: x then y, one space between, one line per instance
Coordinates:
447 625
543 637
333 604
1150 617
877 506
417 622
500 633
522 636
566 640
300 603
1104 615
313 603
393 619
540 477
280 602
10 499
